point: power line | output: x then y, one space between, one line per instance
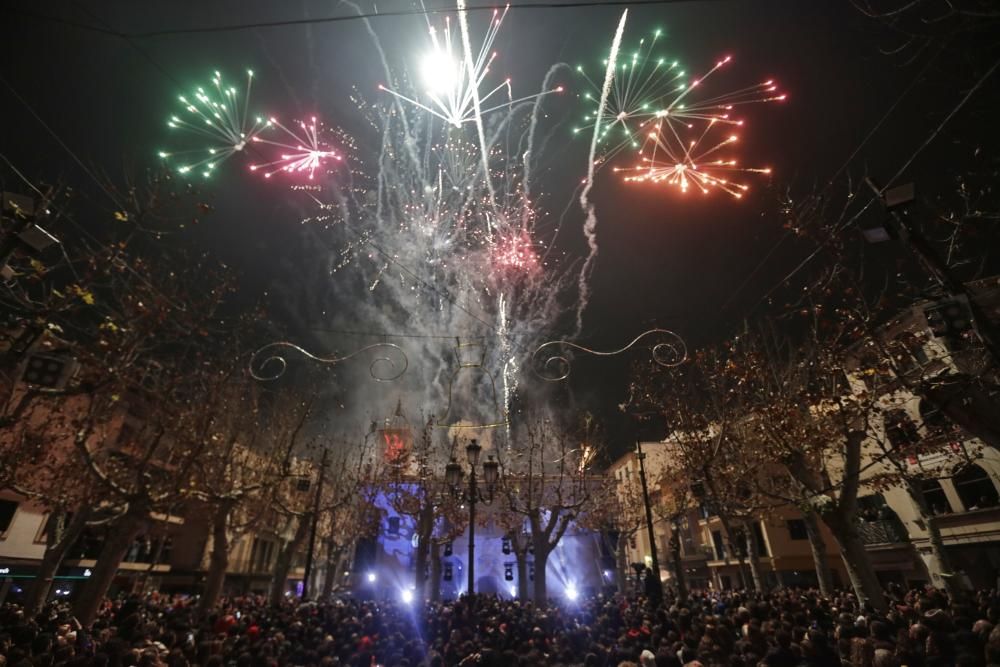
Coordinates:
65 146
850 221
234 27
850 158
132 44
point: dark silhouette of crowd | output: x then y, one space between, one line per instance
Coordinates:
788 628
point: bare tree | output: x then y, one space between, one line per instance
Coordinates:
546 481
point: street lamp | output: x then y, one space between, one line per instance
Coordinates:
657 591
472 495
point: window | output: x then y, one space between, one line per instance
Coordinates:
254 551
935 422
758 534
908 352
7 510
975 488
720 546
900 430
797 529
260 555
935 497
874 508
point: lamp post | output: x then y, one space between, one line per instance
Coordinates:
657 591
472 495
310 553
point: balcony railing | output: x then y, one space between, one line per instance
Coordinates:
883 531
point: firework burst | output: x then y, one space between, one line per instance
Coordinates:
307 151
516 254
451 76
639 84
219 115
649 89
667 159
687 108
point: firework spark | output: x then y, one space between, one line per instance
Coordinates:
638 84
684 164
686 110
648 88
308 151
451 76
516 254
220 115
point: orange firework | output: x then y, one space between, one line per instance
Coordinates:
701 163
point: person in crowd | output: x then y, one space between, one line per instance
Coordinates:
784 628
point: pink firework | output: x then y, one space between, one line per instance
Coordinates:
307 151
516 254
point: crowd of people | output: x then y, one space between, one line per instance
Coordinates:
785 628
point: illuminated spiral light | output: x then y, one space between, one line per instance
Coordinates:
271 356
557 366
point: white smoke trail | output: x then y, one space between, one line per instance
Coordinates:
508 358
590 224
463 22
528 154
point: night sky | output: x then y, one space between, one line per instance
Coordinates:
665 260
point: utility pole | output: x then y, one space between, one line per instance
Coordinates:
658 585
312 531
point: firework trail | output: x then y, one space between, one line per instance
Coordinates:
590 224
463 23
431 229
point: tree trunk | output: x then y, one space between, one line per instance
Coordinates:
425 529
218 562
62 534
541 585
952 583
818 548
678 563
283 564
752 549
334 558
522 573
121 533
623 566
435 580
859 567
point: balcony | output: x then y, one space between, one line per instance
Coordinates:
882 532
